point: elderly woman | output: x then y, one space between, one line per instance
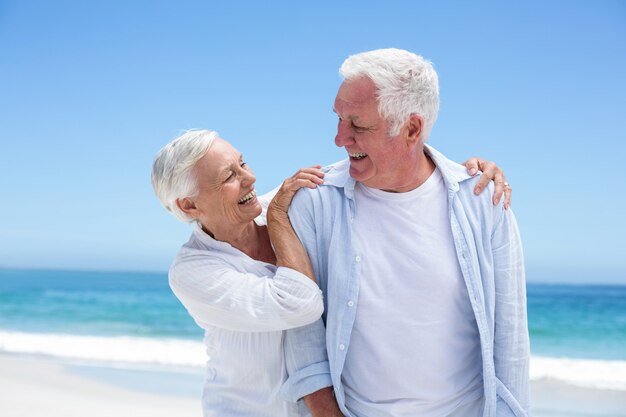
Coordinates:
242 281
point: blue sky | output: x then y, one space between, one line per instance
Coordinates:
89 91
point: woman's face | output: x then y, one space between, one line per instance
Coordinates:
226 195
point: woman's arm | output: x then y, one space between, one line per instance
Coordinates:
288 249
216 294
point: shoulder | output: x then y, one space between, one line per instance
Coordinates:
466 192
336 177
195 257
479 209
317 200
458 180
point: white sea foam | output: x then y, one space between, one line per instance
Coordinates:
177 352
588 373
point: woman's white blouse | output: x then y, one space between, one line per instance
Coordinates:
243 306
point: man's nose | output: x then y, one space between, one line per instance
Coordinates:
344 135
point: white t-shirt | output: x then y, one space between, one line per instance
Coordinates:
415 347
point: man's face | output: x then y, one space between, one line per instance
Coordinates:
376 159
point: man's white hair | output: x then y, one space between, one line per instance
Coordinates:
172 171
406 83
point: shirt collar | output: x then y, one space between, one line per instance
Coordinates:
452 173
338 174
208 242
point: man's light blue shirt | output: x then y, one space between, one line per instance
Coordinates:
489 252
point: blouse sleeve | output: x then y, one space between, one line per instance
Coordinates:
215 294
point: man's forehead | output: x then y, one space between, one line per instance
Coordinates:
357 91
355 98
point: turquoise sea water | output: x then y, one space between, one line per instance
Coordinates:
577 321
92 303
134 317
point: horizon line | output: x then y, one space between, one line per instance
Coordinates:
165 272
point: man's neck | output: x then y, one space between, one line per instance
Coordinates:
416 174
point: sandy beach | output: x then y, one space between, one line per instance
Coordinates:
34 386
551 398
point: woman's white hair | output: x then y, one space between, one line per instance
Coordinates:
406 83
172 171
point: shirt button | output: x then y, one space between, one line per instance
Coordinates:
342 347
358 258
350 303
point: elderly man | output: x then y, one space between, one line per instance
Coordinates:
425 305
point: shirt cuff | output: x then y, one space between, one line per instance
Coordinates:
306 381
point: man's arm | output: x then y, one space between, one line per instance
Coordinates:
322 403
511 340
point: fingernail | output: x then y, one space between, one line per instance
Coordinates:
477 190
472 171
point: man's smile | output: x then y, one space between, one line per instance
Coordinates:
357 155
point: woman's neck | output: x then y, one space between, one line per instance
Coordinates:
251 239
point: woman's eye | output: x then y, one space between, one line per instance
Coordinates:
243 164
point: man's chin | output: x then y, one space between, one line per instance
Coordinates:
358 173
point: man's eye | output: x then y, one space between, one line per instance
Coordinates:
358 128
230 177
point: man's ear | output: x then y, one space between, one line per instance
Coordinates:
187 206
414 128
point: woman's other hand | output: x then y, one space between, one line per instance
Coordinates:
491 172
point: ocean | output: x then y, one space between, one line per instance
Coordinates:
578 332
